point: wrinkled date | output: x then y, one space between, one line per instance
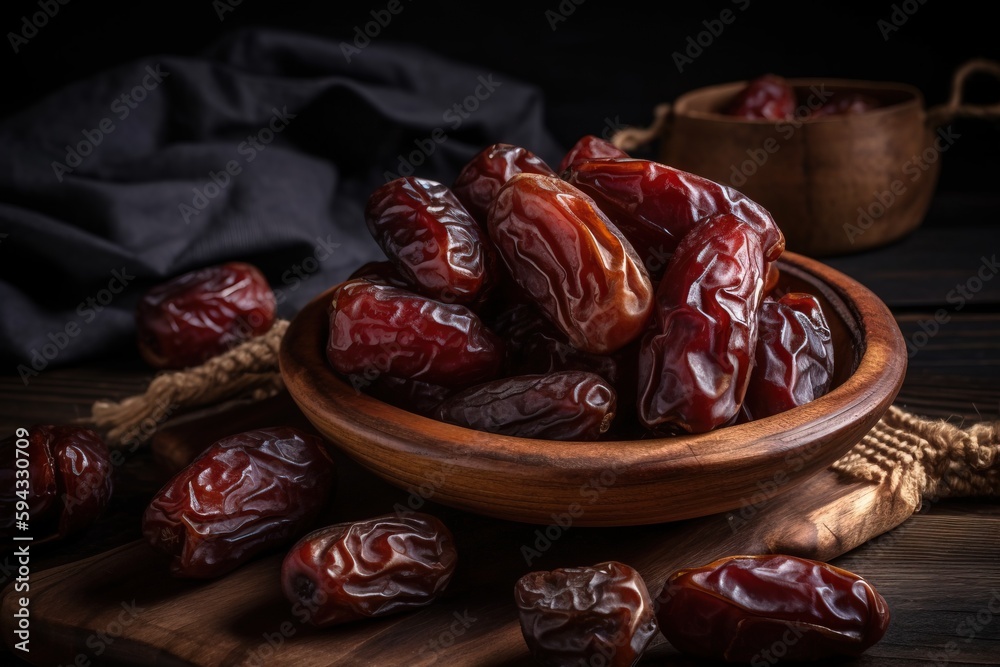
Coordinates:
572 261
590 148
845 104
601 614
767 97
381 273
430 237
369 568
422 398
480 180
655 206
244 494
693 370
740 608
195 316
68 483
377 329
535 346
567 405
794 356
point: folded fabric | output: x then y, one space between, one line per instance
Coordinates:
264 149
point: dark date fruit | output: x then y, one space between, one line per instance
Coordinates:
794 356
590 148
694 368
601 614
65 485
768 97
243 495
381 273
845 104
196 316
431 239
655 206
480 180
370 568
758 609
566 405
380 330
422 398
572 262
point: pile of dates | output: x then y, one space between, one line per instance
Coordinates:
616 298
257 491
771 97
746 609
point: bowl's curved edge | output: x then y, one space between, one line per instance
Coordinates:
613 483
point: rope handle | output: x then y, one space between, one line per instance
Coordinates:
955 107
632 138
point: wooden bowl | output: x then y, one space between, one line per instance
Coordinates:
834 185
621 482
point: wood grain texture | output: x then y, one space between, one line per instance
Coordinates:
654 480
127 596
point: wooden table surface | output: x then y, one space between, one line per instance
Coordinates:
940 567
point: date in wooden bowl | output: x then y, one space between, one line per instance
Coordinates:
614 483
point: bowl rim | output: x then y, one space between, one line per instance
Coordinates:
916 98
868 391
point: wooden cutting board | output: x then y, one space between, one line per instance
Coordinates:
123 607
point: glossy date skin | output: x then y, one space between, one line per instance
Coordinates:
431 239
694 368
655 206
196 316
69 481
369 568
572 262
794 356
737 608
768 97
422 398
480 180
590 147
244 495
380 330
566 405
600 614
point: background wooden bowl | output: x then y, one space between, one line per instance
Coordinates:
616 482
836 184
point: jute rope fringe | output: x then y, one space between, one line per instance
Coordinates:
917 458
248 370
921 458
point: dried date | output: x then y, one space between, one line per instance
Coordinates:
768 97
590 148
369 568
694 368
243 495
794 356
572 262
69 481
600 614
196 316
431 239
381 273
655 206
740 608
480 180
845 104
380 330
567 405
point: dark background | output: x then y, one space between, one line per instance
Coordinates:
606 61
